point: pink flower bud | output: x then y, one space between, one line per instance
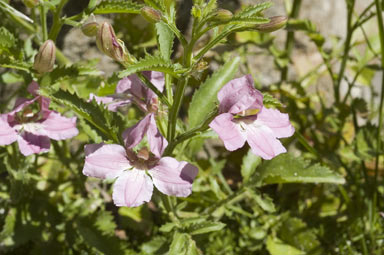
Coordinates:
222 15
90 29
45 58
150 14
274 24
108 43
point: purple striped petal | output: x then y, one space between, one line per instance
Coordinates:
239 95
132 136
228 131
58 127
30 143
105 161
132 188
262 141
277 121
156 141
173 177
7 134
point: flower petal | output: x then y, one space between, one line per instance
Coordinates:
228 131
262 141
105 161
157 79
277 121
156 141
239 95
33 87
7 134
133 135
58 127
30 143
173 177
132 188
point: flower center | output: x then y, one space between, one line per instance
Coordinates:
143 159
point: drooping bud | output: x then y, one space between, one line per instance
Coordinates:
274 24
30 3
90 29
150 14
108 43
45 58
222 15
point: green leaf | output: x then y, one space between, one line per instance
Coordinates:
117 6
276 247
90 111
182 244
205 227
151 63
248 167
204 100
165 39
254 9
289 169
248 21
96 239
9 225
10 62
7 39
269 101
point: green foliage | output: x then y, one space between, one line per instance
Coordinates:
249 165
154 63
288 169
117 6
7 39
183 244
165 39
205 98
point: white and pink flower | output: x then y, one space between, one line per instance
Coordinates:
137 169
244 118
32 124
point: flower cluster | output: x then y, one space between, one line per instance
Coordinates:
32 124
244 118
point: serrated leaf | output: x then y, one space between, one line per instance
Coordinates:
95 238
248 167
205 98
105 223
9 225
10 62
286 168
182 244
248 21
254 9
151 63
117 6
7 39
265 202
165 39
90 111
205 227
270 101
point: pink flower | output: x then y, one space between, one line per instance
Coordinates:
137 170
131 90
32 124
244 118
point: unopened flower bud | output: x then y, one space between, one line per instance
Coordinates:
150 14
45 58
30 3
222 15
274 24
90 29
108 43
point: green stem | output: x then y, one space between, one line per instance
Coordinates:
175 108
168 88
347 48
152 87
213 42
57 22
177 32
290 37
43 20
189 134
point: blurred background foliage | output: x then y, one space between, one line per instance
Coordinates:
325 69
